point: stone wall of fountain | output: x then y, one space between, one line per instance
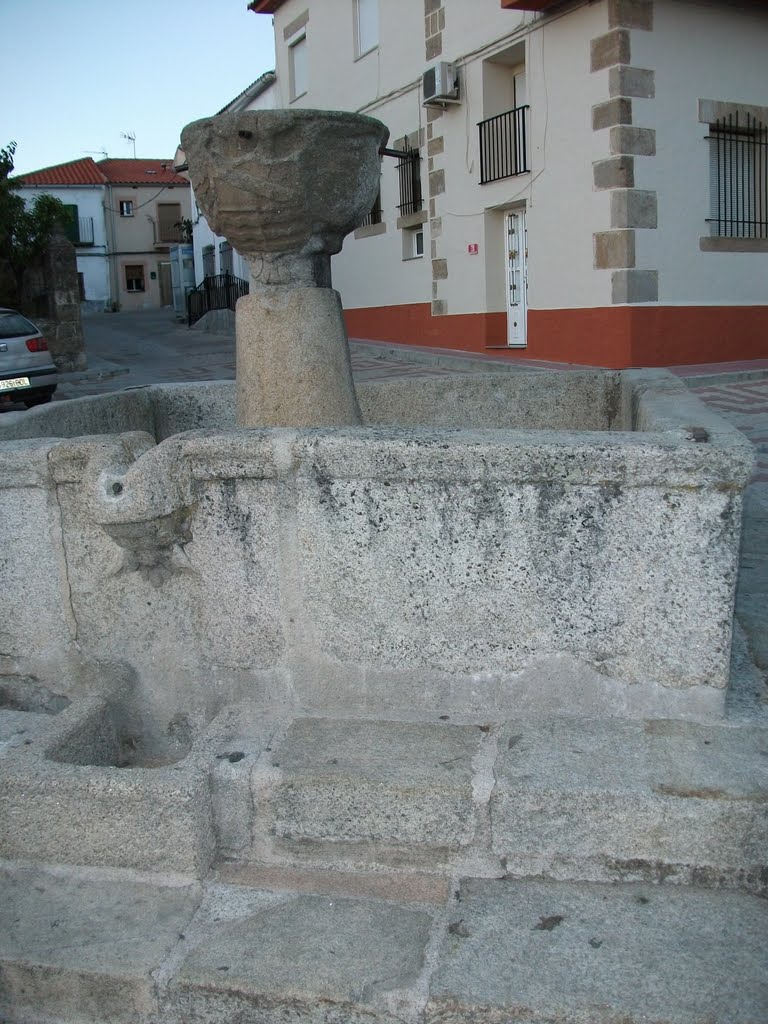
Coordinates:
484 567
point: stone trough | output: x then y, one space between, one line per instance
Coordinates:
459 552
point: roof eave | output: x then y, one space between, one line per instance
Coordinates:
528 5
265 6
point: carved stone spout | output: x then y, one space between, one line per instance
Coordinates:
285 187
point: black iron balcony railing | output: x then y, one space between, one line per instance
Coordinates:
504 145
409 175
739 177
216 292
84 231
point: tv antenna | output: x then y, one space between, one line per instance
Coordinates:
130 137
97 152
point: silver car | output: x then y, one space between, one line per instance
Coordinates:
27 372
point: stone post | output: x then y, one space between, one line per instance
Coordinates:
63 330
285 187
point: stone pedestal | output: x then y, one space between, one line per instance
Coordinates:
293 366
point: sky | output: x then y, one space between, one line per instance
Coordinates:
77 75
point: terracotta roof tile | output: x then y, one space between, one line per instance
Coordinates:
76 172
141 172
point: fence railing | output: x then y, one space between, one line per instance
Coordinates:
739 176
216 292
504 145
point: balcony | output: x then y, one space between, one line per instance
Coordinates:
84 231
504 145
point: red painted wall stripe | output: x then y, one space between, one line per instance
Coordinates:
611 336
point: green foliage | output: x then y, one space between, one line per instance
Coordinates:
185 227
24 230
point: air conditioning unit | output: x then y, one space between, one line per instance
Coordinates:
440 84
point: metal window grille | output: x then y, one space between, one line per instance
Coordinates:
738 179
374 217
409 175
504 145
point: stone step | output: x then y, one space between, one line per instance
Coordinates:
552 797
87 946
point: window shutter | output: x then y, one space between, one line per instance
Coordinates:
72 226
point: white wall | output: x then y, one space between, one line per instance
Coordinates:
563 208
698 52
91 260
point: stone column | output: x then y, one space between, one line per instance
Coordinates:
285 187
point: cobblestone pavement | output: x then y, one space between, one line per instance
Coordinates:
745 404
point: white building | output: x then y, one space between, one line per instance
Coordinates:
81 186
593 176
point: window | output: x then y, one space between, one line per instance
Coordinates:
413 243
126 207
225 258
738 176
297 59
409 174
134 277
366 26
169 222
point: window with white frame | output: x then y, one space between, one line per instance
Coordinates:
126 207
413 243
134 277
297 63
366 26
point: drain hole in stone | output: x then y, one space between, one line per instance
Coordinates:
117 488
110 737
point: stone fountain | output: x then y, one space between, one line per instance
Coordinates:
286 187
336 708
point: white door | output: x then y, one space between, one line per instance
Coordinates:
517 279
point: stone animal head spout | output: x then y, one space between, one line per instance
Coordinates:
285 186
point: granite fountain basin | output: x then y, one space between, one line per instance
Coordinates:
538 541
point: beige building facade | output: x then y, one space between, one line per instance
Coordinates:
583 181
146 206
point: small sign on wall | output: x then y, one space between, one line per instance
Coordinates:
473 248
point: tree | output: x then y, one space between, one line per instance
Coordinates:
24 230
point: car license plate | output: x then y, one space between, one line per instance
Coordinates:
14 382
